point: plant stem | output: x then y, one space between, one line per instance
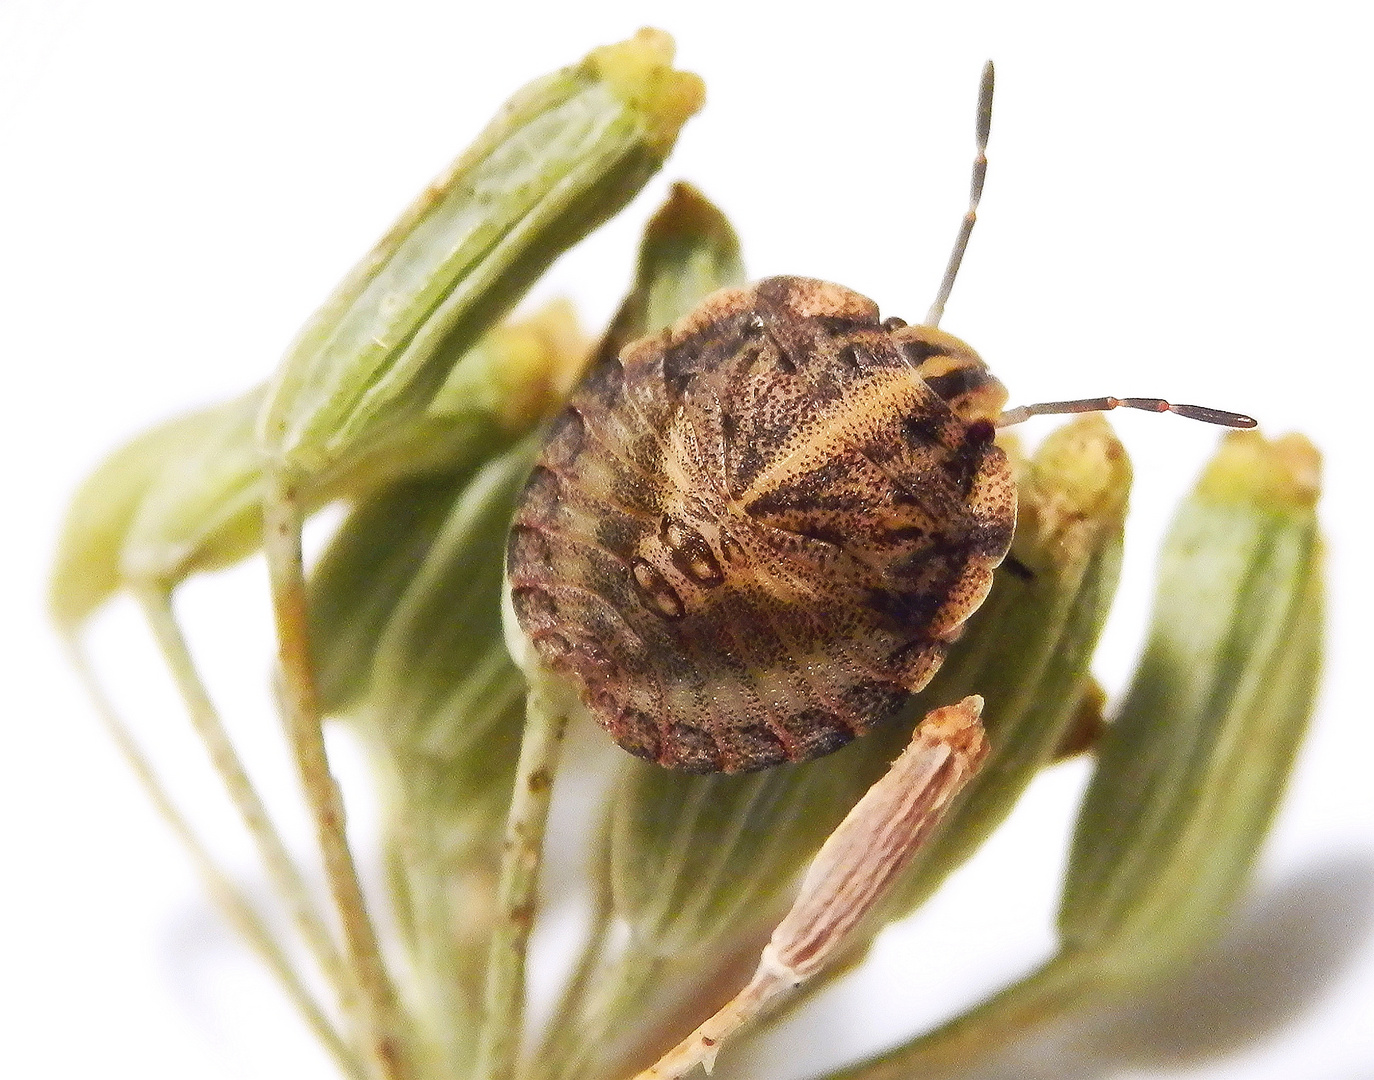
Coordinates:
281 869
225 894
569 1023
383 1030
546 718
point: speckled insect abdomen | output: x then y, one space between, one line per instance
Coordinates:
752 538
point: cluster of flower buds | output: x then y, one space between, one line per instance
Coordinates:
411 397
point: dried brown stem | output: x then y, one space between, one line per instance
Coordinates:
850 874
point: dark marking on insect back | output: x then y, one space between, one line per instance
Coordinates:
955 383
534 605
918 351
923 429
637 733
567 434
693 749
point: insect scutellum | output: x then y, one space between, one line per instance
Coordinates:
980 395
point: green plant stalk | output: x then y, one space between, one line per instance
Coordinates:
450 882
381 1021
547 710
405 605
281 869
442 872
225 894
560 1042
1059 987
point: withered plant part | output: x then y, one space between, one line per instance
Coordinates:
854 869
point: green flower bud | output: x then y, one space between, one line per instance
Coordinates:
441 664
204 510
519 374
360 579
405 606
1191 771
689 251
562 156
87 570
186 497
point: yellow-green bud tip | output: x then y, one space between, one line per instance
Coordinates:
640 72
688 213
1284 473
1082 472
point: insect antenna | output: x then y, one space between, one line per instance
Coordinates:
980 171
1103 404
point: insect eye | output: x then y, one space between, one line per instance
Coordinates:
981 432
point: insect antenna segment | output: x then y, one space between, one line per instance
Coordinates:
1104 404
980 172
956 257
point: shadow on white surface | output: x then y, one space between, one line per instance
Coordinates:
1285 952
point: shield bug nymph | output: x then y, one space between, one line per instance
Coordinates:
753 536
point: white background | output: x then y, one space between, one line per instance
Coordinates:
1178 204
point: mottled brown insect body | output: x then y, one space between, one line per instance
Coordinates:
752 538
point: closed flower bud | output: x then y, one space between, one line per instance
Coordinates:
689 251
1191 771
562 156
87 569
